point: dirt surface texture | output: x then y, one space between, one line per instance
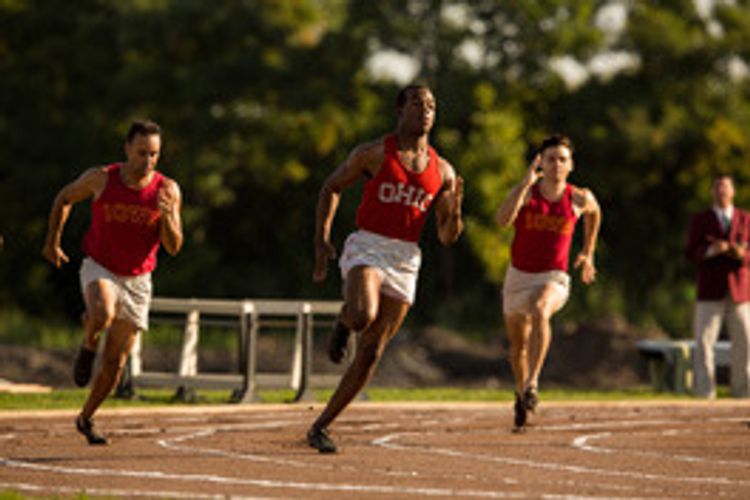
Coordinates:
386 451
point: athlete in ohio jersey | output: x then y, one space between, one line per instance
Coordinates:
380 261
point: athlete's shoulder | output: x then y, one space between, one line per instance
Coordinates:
583 197
371 148
168 183
97 175
99 170
368 155
580 191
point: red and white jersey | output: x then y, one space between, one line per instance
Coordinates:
544 233
396 201
124 232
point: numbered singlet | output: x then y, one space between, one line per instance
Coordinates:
124 232
396 201
543 233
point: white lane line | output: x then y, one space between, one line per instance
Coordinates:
388 442
176 445
263 483
583 444
122 493
171 444
606 424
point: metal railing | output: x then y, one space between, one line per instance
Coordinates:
248 315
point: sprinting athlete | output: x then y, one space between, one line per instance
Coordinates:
543 209
135 209
380 261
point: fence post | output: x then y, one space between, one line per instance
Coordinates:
305 325
249 332
189 354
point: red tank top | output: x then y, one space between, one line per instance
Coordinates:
396 201
124 232
543 233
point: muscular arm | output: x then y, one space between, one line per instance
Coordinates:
89 185
508 211
365 158
448 205
170 204
592 217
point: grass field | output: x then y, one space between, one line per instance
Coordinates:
74 398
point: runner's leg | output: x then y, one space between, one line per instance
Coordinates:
518 326
370 347
100 298
548 301
119 340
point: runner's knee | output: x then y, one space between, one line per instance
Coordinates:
101 318
541 310
518 347
360 319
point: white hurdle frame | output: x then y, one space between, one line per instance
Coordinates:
250 313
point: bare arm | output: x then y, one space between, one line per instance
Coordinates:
448 205
592 219
364 158
89 185
508 211
170 204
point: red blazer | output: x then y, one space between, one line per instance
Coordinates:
720 274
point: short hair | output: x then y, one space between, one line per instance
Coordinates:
723 175
404 93
557 140
142 127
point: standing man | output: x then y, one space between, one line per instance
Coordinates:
543 209
717 243
380 262
134 210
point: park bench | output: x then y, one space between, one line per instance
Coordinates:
670 362
244 317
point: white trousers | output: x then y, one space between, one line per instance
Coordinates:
709 317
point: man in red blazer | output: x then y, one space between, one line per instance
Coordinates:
718 244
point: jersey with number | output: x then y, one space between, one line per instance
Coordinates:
124 232
544 232
396 201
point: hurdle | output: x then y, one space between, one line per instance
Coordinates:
248 315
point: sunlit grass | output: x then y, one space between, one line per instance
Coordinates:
74 398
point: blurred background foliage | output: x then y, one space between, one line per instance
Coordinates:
261 99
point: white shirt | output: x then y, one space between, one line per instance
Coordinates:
725 212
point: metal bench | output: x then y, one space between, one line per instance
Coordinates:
670 362
248 315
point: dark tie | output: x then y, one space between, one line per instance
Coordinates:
725 222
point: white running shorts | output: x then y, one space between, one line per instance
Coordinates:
519 287
397 261
133 293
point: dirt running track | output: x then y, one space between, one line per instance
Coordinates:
423 450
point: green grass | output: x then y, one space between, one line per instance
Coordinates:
74 398
21 329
